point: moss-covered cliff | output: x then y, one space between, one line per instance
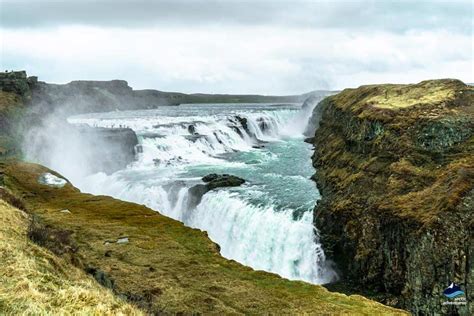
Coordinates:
15 94
395 166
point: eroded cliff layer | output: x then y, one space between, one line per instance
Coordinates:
395 166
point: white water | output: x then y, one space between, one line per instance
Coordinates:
266 223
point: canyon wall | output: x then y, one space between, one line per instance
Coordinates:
395 166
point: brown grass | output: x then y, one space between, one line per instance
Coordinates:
33 281
167 267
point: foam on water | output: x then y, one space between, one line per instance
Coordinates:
249 223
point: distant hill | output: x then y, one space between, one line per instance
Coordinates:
102 96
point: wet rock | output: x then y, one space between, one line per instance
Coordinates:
238 131
108 149
213 181
192 130
262 124
195 195
243 122
217 138
222 180
194 137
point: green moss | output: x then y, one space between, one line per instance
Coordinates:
400 146
395 166
11 111
167 266
393 96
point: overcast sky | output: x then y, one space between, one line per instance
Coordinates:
268 47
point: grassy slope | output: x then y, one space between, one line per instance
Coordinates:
166 266
410 148
11 106
35 281
399 96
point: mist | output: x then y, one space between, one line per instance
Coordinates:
77 151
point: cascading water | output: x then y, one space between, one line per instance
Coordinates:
267 222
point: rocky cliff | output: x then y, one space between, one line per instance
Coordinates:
15 92
113 149
395 166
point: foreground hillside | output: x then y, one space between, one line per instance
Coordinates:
154 262
35 281
395 166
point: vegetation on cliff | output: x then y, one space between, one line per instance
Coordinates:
34 281
54 234
157 263
395 165
11 108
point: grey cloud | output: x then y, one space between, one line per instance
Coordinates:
398 16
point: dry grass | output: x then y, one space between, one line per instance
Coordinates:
33 281
379 100
8 99
167 267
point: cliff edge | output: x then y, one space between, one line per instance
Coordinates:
151 261
395 166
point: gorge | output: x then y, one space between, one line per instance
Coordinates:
394 212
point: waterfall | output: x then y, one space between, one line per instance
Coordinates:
247 222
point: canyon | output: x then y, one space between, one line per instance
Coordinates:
394 168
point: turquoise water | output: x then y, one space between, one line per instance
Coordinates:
267 223
277 175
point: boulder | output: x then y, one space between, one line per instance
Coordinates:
213 181
192 130
222 180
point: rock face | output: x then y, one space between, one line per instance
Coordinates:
15 91
16 82
395 166
108 150
213 181
312 105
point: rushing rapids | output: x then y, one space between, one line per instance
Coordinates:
267 222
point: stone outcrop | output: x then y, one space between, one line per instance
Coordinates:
109 149
313 105
395 166
213 181
17 82
15 92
